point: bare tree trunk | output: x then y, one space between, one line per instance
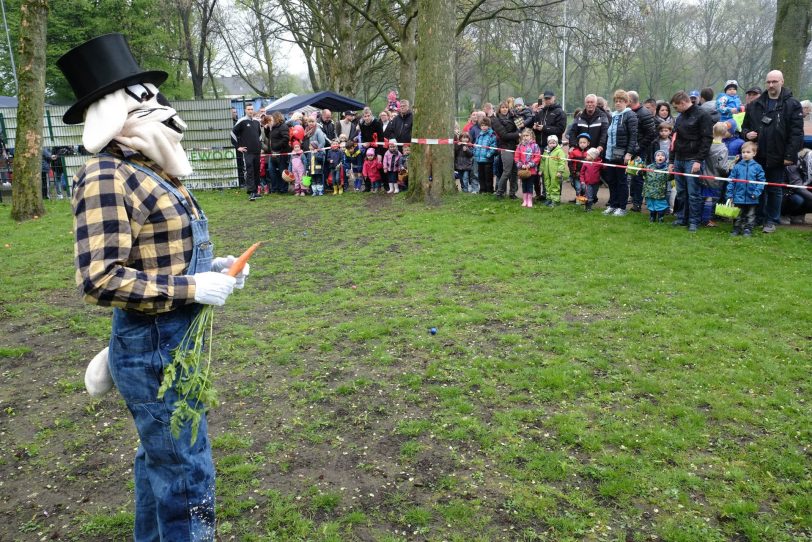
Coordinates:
791 37
432 167
26 193
408 63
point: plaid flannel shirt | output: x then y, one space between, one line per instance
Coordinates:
133 237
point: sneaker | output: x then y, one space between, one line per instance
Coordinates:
692 228
619 212
588 209
769 228
252 197
735 233
747 233
677 223
549 203
785 220
609 210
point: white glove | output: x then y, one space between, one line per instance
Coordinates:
213 288
221 265
98 379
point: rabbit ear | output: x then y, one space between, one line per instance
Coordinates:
104 120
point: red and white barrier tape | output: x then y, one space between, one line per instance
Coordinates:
426 141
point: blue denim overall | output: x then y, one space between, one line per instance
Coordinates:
174 481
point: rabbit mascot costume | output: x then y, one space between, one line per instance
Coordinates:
142 247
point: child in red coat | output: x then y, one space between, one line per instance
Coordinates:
577 156
590 177
372 170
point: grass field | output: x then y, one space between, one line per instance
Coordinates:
591 378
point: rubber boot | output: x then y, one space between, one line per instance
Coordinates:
529 200
524 200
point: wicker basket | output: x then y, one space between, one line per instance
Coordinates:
524 173
288 176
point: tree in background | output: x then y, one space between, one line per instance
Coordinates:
26 192
791 37
431 168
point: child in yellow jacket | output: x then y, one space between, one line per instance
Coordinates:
554 167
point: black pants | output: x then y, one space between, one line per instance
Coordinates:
240 169
618 186
251 171
636 189
485 170
276 166
797 202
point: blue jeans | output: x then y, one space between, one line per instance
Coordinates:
769 208
464 176
689 189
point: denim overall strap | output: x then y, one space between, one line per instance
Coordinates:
203 251
174 480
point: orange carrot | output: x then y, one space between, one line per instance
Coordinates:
240 262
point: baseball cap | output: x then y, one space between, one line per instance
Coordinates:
754 90
349 113
694 94
731 83
518 101
549 93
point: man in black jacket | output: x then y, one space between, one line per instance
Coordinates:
402 123
646 132
592 121
694 135
775 122
550 120
245 137
326 124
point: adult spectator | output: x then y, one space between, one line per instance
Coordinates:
280 147
775 122
550 120
592 121
508 137
806 106
651 105
488 109
240 165
694 135
798 201
402 123
621 146
708 103
245 138
47 158
327 125
313 132
752 94
348 125
386 125
372 133
663 114
694 97
646 133
603 105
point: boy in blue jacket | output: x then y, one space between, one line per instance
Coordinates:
745 195
484 156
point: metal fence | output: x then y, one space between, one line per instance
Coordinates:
207 140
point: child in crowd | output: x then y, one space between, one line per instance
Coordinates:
526 159
372 170
391 166
733 142
663 143
352 154
728 103
554 167
392 99
745 195
483 155
655 187
334 166
577 155
297 167
716 165
590 177
464 160
403 174
315 168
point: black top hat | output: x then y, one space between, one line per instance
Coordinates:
97 68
